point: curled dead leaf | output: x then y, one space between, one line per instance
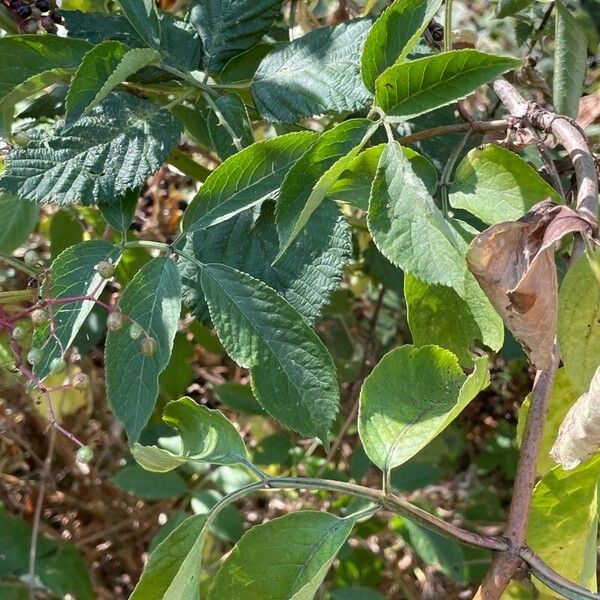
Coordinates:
514 265
579 435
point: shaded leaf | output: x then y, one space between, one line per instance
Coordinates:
150 486
410 397
72 275
229 523
19 218
103 68
239 397
496 185
153 299
394 34
143 16
233 112
315 74
570 62
65 230
514 264
99 158
564 523
287 557
119 214
293 376
418 86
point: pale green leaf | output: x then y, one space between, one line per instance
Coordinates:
410 397
409 229
570 62
173 568
394 34
293 375
99 158
496 185
562 397
245 180
306 274
153 299
579 320
438 315
103 68
563 524
287 557
228 27
18 218
143 16
308 181
207 436
315 74
418 86
72 275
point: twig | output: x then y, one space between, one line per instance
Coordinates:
474 126
38 512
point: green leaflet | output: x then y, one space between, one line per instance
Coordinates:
228 525
72 274
119 214
287 557
306 274
239 397
251 176
409 229
438 315
150 486
207 436
315 74
143 16
496 185
394 34
570 62
228 27
564 523
418 86
26 56
172 571
293 375
19 218
233 112
99 158
65 230
562 397
153 299
103 68
310 179
507 8
579 320
410 397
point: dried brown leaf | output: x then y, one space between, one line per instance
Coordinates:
514 265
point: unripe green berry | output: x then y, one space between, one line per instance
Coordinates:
135 331
58 365
114 321
31 257
148 346
21 139
19 332
85 455
39 316
81 381
105 268
34 356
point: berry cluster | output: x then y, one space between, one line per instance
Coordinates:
35 16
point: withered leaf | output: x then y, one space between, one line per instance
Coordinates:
514 265
579 435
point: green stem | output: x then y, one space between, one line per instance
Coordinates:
18 264
223 121
448 26
446 177
160 246
17 296
191 80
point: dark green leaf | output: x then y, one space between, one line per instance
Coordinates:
418 86
317 73
228 27
394 34
178 375
570 62
153 299
149 486
239 397
103 68
119 214
233 111
65 230
103 155
291 553
143 16
293 375
305 275
72 274
18 218
251 176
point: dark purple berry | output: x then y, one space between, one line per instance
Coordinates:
24 11
56 16
43 5
14 4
